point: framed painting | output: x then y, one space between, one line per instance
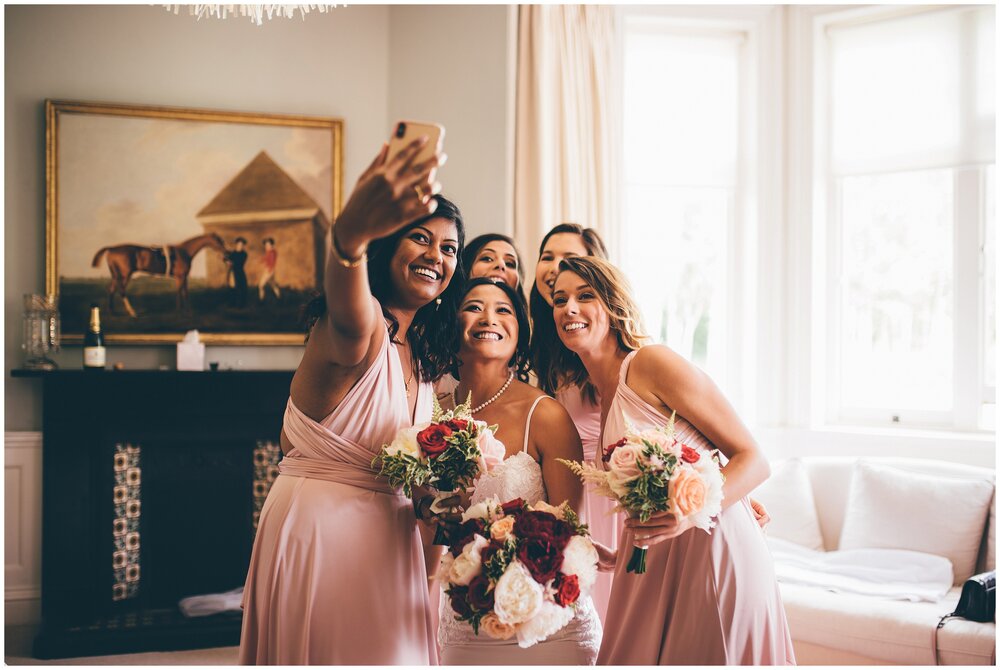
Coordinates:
174 219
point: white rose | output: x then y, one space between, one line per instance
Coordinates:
549 619
406 442
469 563
485 509
618 483
580 559
517 596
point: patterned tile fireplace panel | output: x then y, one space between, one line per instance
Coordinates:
153 484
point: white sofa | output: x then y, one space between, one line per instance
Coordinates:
929 506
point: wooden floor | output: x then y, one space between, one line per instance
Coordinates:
17 651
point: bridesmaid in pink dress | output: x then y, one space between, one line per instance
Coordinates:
706 599
337 571
577 394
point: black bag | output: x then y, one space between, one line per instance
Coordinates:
978 601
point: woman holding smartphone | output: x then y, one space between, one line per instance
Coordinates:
337 572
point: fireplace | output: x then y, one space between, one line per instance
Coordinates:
152 483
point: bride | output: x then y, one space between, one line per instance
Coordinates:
536 430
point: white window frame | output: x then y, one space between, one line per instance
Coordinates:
824 405
753 315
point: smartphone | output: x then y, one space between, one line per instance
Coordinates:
407 131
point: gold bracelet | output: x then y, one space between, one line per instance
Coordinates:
341 257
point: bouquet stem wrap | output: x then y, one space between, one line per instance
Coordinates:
637 563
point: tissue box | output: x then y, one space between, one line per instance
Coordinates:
190 356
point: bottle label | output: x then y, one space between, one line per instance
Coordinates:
93 357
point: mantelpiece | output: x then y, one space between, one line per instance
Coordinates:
151 486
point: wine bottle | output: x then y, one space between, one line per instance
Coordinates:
93 342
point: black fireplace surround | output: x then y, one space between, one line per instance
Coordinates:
151 487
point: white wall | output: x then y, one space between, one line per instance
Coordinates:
454 65
357 63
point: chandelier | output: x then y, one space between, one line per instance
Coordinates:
255 13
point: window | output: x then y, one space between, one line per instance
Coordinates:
684 89
909 154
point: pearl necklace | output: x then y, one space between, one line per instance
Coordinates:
499 393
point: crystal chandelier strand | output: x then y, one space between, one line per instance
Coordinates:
255 13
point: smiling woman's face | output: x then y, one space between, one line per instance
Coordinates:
498 261
557 247
488 325
582 320
424 262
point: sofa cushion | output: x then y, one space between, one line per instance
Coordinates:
889 631
787 494
892 508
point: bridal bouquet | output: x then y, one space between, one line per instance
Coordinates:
446 454
517 569
651 471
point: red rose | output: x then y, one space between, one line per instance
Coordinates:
567 589
543 525
610 449
541 556
689 455
461 534
432 439
458 596
514 507
480 594
490 550
457 424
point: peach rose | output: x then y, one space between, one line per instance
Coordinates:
501 530
687 492
492 626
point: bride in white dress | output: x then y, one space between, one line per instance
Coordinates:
536 430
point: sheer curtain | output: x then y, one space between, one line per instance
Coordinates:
567 120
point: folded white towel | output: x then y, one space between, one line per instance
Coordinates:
896 574
212 603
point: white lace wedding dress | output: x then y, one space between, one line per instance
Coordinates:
518 476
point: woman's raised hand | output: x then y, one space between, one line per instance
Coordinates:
391 193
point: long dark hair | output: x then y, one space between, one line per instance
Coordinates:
433 328
475 246
521 361
544 338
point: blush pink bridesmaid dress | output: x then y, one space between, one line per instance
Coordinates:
337 572
704 599
598 512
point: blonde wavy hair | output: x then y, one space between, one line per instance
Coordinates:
615 294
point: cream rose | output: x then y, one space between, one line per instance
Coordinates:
492 626
502 529
469 563
517 596
444 567
580 559
549 619
485 509
557 512
406 442
687 492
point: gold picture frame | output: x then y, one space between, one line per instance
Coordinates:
145 208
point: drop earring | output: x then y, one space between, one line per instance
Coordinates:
437 302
